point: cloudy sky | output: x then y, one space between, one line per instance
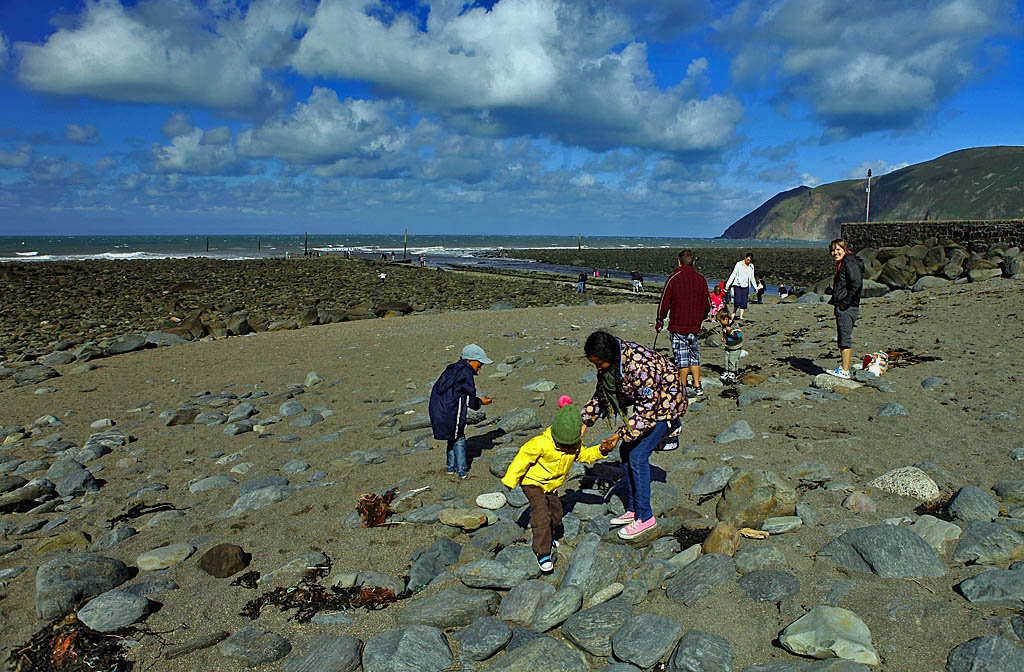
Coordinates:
607 117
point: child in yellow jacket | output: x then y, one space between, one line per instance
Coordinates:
541 466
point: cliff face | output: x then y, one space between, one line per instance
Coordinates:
972 184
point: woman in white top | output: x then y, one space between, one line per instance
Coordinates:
741 280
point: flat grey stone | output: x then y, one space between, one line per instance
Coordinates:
212 483
66 579
521 603
826 632
290 408
424 514
77 483
258 499
62 466
113 610
254 484
987 653
252 646
998 416
890 409
326 653
931 383
113 538
490 574
566 601
519 420
645 639
543 654
765 556
451 608
592 629
697 579
971 503
769 585
701 652
711 482
437 558
1010 491
482 638
987 543
152 584
737 431
997 587
373 578
414 648
888 551
210 418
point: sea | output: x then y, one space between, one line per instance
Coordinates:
440 250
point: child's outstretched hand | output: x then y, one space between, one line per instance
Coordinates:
485 400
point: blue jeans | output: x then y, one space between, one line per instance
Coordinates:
456 456
579 287
636 457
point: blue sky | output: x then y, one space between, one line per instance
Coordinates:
607 117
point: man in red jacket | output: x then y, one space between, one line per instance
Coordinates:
686 296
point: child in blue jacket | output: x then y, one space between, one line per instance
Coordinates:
452 396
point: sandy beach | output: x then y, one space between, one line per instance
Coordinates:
960 430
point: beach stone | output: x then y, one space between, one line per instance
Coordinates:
998 416
409 500
996 587
212 483
520 604
769 585
936 532
33 374
414 648
491 501
926 282
752 495
858 502
885 550
181 416
483 638
645 639
701 652
153 584
724 538
257 499
988 653
464 519
711 482
73 541
808 297
737 431
543 653
113 538
243 411
685 557
830 383
164 557
971 503
63 581
209 418
290 408
31 466
326 653
697 579
907 482
830 632
425 514
224 560
77 483
113 610
932 383
252 646
541 385
781 524
62 466
519 420
592 629
810 472
451 608
609 592
890 409
375 579
1010 491
515 496
566 601
808 514
307 419
434 561
986 543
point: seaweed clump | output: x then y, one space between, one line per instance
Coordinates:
68 645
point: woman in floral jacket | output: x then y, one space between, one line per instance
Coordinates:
629 374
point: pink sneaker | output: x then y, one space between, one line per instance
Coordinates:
624 519
637 527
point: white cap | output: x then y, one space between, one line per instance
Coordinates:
475 352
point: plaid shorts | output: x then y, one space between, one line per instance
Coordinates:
686 350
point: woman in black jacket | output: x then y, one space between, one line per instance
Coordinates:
846 289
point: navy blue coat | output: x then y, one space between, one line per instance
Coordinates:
452 396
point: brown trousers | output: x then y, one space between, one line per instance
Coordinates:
545 517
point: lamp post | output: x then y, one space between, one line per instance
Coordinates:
867 210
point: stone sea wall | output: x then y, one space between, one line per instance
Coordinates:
976 236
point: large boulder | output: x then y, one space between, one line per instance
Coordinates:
752 495
885 550
897 274
63 581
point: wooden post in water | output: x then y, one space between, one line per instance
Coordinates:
405 245
207 243
305 246
579 242
259 243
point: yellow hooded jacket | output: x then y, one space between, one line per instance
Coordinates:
542 463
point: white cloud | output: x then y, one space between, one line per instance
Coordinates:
217 136
16 158
187 154
153 53
878 167
325 129
5 52
177 124
867 65
81 135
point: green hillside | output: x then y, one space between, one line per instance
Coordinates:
980 183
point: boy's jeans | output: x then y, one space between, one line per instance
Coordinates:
456 456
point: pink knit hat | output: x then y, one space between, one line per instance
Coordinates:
564 400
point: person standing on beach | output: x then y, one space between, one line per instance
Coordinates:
629 374
581 282
740 281
451 397
846 289
685 296
635 276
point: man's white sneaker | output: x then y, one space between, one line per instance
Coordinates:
839 372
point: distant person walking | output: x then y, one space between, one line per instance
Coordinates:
718 299
760 292
635 276
740 281
451 397
685 296
581 282
846 289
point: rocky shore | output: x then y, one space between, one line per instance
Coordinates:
805 523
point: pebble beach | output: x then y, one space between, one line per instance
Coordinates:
882 518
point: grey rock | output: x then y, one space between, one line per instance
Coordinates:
33 374
153 584
1010 491
809 472
753 495
751 558
932 383
560 606
521 603
326 653
441 554
697 579
126 343
63 581
292 467
998 416
711 482
181 416
307 419
519 558
113 538
375 579
926 282
490 574
808 297
62 467
545 654
737 431
769 585
483 638
243 411
258 499
997 587
890 409
290 408
254 484
212 483
77 483
210 418
775 666
972 503
113 610
826 632
519 420
452 608
987 653
808 514
253 647
30 467
701 652
424 514
332 618
645 639
987 543
888 551
414 648
592 629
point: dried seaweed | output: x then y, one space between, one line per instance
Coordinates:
901 357
140 510
68 645
248 580
805 486
730 393
687 537
375 509
936 509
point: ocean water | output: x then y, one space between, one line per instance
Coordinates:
439 249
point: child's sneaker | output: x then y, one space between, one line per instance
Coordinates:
839 372
670 443
637 527
698 391
554 543
624 519
546 564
